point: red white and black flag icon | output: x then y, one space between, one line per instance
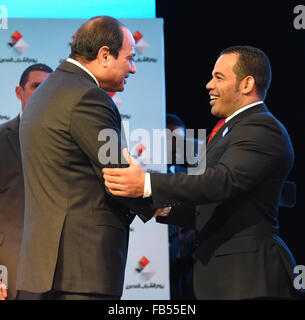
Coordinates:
141 44
145 269
142 263
18 42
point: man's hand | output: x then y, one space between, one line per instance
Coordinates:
3 291
162 212
125 182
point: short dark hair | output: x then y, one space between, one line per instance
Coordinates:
252 62
34 67
174 120
97 32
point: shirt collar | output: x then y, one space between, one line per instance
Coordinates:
243 109
84 68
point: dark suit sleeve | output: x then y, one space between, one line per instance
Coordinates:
182 216
94 120
257 148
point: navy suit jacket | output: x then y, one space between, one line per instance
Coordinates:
240 254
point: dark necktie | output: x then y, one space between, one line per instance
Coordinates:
216 128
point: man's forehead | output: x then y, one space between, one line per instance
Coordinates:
128 37
37 74
228 58
225 62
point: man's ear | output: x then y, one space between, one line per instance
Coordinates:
19 92
248 84
103 55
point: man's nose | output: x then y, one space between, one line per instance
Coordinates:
209 85
132 68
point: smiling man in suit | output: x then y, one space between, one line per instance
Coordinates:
240 254
11 184
75 236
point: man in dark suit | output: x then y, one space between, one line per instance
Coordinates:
75 236
240 254
11 183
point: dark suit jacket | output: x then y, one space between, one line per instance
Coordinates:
75 235
11 200
239 252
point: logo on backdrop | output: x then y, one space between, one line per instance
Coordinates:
142 263
3 17
146 272
299 20
145 269
72 39
139 149
18 42
141 47
141 44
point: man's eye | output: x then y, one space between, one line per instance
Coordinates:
35 85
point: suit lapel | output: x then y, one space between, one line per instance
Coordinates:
13 136
217 136
227 127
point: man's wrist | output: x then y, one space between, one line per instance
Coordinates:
147 186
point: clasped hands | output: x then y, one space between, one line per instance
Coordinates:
128 182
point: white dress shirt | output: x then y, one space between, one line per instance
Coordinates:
84 68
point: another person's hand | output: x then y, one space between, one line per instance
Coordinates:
3 291
162 212
125 182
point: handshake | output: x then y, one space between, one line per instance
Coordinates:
130 182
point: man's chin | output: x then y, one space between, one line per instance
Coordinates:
120 88
214 111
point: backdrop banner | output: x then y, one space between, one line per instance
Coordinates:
142 107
